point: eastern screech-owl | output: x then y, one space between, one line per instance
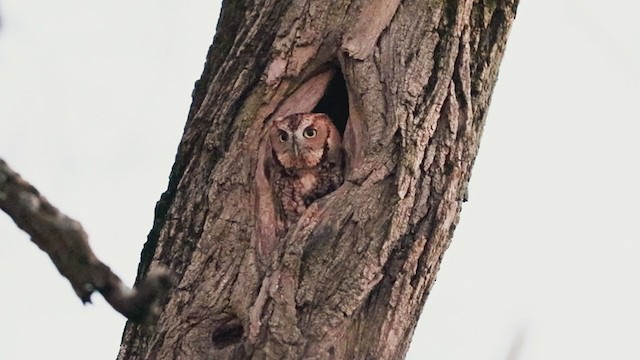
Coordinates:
307 161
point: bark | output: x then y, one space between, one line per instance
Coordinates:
409 83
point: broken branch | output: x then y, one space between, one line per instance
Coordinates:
66 243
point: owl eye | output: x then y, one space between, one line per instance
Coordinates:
283 136
310 132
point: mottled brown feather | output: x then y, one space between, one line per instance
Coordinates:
303 169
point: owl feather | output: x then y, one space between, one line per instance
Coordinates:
306 162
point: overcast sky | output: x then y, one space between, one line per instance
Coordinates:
93 100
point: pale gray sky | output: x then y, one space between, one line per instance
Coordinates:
94 96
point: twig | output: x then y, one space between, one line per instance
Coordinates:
64 240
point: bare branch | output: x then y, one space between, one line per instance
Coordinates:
66 243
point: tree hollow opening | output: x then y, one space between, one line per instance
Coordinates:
335 101
228 334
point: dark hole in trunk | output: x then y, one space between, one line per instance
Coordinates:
335 101
228 334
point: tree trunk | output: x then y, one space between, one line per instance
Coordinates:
408 83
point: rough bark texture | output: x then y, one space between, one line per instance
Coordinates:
410 83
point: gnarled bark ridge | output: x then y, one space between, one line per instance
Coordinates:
409 82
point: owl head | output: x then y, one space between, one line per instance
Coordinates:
300 141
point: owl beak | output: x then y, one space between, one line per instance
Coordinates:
295 149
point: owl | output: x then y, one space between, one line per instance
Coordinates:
306 161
